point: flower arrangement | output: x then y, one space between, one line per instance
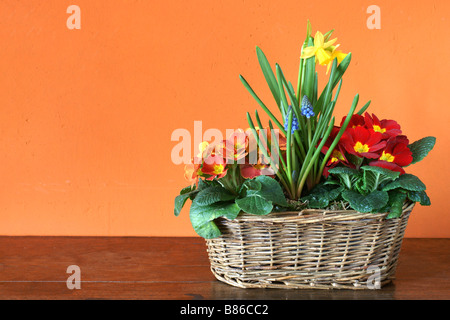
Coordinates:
304 160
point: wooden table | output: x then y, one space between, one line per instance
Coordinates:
178 269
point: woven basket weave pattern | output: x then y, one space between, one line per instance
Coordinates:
311 249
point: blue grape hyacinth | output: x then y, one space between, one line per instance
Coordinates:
307 109
294 121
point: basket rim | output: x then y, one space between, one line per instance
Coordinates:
314 215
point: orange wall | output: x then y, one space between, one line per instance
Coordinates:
87 115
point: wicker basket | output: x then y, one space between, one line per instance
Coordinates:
311 249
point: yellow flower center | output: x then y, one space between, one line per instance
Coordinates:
361 148
218 168
379 129
336 156
387 157
259 166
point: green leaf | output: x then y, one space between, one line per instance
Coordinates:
261 194
188 189
212 195
262 105
327 35
421 148
346 175
373 177
366 203
327 92
396 200
358 186
333 182
250 184
343 171
364 108
268 74
406 181
181 199
308 29
310 73
270 190
179 203
322 194
282 82
341 69
202 217
203 184
283 99
385 173
255 204
419 196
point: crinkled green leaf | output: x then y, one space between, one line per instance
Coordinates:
270 190
322 194
181 199
406 181
419 196
187 189
343 170
421 148
212 195
202 217
331 182
250 184
366 203
358 186
346 175
260 194
396 200
373 177
255 204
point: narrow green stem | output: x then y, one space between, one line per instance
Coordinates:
339 135
301 71
313 160
308 124
299 81
301 150
235 177
277 147
227 184
288 146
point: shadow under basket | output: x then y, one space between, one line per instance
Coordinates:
309 249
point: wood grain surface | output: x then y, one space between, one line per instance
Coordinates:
178 269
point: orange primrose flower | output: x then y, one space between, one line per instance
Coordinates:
214 167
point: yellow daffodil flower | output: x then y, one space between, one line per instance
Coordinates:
324 52
319 49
